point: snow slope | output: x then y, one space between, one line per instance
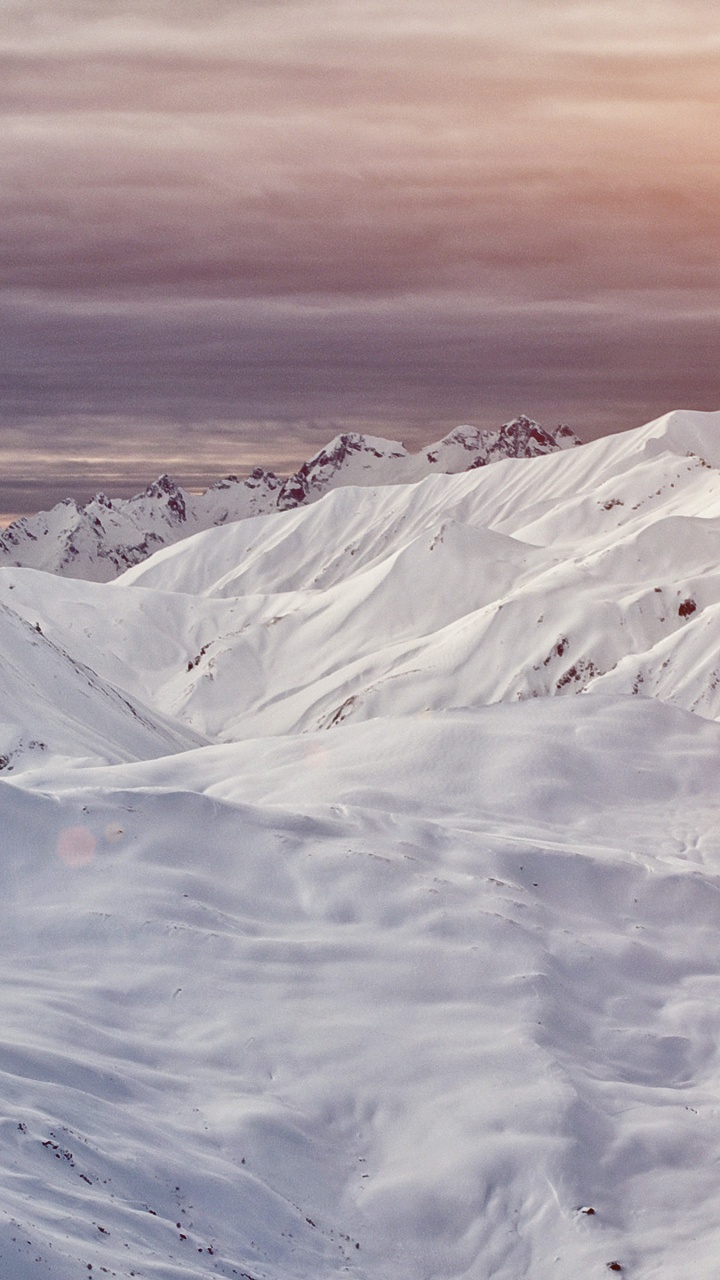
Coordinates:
53 703
594 569
433 995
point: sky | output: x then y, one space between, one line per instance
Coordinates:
231 230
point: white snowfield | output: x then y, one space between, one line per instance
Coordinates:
337 938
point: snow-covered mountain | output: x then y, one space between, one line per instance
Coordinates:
104 537
336 936
353 459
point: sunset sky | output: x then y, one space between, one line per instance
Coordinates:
232 228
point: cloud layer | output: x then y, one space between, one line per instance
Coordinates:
239 226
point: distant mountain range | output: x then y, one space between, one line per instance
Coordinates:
101 539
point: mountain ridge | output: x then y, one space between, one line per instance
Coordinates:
104 537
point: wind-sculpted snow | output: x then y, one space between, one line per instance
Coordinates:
435 988
337 938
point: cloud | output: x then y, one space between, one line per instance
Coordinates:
412 366
292 215
358 167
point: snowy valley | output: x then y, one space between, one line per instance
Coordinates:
361 869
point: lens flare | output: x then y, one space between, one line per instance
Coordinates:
315 755
76 846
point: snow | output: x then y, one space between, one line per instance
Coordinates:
337 938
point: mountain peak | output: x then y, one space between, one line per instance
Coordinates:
166 488
523 437
351 452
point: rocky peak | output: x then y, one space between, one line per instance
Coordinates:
165 487
319 470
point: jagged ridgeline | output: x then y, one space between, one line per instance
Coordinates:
104 537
